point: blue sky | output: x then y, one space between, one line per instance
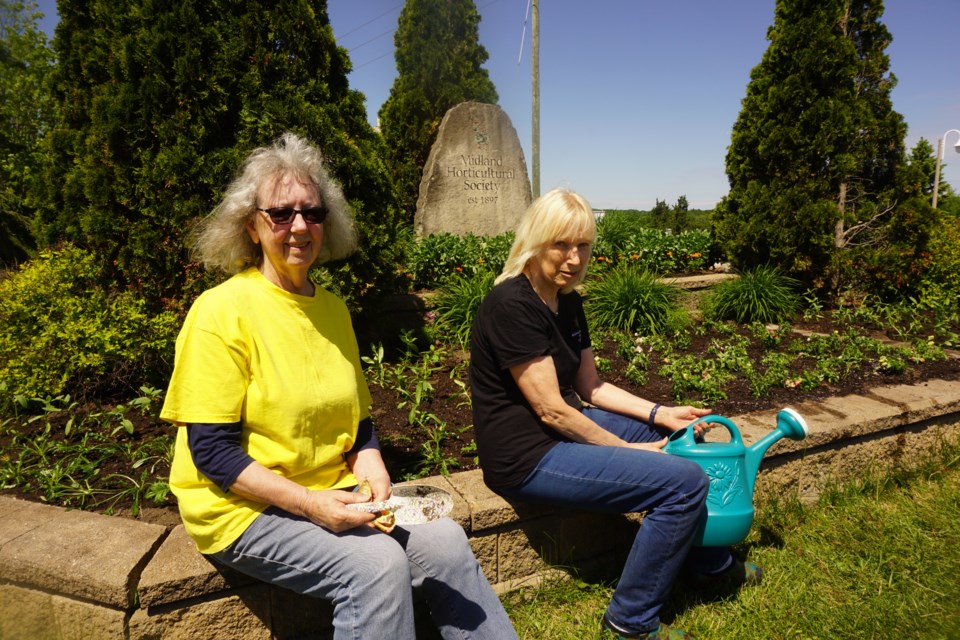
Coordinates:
638 97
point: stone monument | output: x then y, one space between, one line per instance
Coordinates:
475 180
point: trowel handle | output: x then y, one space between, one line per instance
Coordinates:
721 420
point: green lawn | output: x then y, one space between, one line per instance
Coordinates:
876 559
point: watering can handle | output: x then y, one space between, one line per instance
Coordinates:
726 422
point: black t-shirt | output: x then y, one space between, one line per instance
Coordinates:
514 326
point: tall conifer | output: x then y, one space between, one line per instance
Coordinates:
26 111
816 149
439 64
162 101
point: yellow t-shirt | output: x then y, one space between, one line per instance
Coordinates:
287 367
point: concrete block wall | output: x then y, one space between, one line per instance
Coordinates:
72 575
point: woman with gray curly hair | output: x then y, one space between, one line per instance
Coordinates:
274 432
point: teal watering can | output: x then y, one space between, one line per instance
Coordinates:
732 469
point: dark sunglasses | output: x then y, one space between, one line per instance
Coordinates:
285 215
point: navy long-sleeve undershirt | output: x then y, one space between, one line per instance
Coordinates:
218 454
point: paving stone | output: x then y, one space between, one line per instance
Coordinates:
45 616
178 571
244 614
17 517
76 553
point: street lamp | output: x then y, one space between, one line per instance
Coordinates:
936 174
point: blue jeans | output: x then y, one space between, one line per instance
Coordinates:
671 490
369 576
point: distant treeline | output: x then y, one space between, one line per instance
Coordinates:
692 218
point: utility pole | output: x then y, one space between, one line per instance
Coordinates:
936 174
535 61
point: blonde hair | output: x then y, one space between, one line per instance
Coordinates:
559 214
221 240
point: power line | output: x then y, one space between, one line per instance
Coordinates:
390 31
360 66
357 28
373 39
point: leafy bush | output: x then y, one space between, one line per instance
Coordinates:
457 302
760 295
64 333
942 280
650 249
433 259
631 299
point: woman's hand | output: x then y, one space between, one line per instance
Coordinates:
676 418
328 509
648 446
368 465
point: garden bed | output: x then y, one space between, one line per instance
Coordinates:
422 413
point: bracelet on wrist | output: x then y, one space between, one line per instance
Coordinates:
653 414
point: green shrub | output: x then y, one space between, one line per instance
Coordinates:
456 304
431 260
761 295
650 249
631 299
65 333
942 280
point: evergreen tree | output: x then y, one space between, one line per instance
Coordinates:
923 159
439 58
160 104
815 151
26 112
660 214
680 222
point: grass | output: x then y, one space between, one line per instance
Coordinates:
878 558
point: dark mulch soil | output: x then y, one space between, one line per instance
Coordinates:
402 443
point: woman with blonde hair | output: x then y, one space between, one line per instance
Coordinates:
532 375
273 414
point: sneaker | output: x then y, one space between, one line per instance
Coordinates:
663 632
740 574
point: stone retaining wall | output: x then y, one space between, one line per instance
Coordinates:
71 575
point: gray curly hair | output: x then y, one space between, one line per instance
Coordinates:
221 240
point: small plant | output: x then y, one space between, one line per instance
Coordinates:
431 449
770 336
376 368
604 365
470 449
892 364
812 307
763 295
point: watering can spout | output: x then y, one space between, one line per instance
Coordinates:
790 424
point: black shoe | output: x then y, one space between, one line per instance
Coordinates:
663 632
